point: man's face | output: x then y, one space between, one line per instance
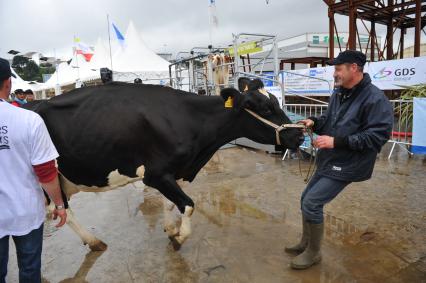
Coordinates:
343 74
21 96
30 97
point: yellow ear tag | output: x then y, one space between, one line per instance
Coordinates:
229 103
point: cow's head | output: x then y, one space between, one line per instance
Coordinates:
266 106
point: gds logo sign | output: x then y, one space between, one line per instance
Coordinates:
400 72
405 72
383 73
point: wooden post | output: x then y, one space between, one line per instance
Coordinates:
331 24
281 65
418 28
373 41
352 25
401 43
389 36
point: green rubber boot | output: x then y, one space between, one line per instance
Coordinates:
301 246
312 253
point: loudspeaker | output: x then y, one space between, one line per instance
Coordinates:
106 75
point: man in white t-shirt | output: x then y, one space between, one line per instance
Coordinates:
27 159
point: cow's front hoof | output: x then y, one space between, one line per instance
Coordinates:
98 246
176 245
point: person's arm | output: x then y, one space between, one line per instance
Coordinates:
43 155
48 177
54 192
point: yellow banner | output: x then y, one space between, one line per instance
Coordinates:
246 48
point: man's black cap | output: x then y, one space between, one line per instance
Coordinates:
28 91
349 56
19 91
5 71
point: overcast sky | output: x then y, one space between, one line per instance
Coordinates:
166 25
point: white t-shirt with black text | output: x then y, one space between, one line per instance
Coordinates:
24 142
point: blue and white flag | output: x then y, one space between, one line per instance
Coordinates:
419 129
119 35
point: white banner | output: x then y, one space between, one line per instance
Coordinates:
312 82
419 129
386 75
396 73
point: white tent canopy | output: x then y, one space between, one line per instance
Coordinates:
19 83
66 74
136 60
101 56
135 56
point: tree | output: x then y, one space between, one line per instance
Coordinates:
28 70
19 63
31 72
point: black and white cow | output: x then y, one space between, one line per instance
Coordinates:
114 134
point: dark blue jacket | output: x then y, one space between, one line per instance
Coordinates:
360 120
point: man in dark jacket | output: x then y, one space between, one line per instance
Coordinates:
357 123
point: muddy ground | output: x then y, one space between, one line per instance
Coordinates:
247 210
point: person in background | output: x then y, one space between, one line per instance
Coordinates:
29 95
19 98
27 158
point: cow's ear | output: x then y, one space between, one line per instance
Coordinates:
243 83
231 97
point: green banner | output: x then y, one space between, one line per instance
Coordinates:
246 48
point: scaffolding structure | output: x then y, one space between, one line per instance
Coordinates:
394 14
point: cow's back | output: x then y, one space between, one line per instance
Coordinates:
115 126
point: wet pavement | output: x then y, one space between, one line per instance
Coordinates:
247 210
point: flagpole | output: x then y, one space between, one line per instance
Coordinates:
76 58
109 40
56 65
210 23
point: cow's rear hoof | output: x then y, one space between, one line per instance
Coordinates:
176 245
99 246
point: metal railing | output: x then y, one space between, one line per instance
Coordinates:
301 111
201 71
263 39
402 131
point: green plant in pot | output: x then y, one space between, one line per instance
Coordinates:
405 110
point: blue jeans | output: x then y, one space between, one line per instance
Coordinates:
28 251
320 190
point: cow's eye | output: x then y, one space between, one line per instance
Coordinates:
267 112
